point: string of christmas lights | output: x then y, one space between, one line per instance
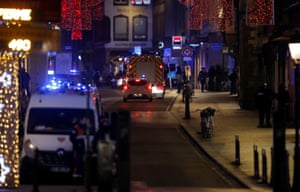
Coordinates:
77 15
260 12
221 13
9 120
195 17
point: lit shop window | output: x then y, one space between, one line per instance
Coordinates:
120 28
140 28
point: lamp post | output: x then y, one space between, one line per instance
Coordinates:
294 48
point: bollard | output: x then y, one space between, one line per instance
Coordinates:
36 171
123 151
187 105
256 164
272 167
87 171
264 167
237 151
105 153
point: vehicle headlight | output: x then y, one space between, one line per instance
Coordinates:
29 149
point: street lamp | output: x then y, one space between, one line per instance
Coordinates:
294 48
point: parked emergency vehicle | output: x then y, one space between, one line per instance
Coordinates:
151 68
49 121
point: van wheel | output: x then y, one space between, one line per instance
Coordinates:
150 100
124 99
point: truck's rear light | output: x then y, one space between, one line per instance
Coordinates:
149 87
125 87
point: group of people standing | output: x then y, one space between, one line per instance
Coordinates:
265 99
215 80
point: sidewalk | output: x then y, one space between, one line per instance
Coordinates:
230 122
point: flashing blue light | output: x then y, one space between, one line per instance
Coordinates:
54 85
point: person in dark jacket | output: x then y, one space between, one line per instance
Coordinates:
178 78
202 78
284 99
264 98
233 78
78 140
25 81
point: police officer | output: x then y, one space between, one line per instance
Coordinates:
263 98
78 140
178 78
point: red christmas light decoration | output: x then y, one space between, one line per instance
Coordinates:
77 15
217 12
260 12
195 17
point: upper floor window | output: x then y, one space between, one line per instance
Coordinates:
141 2
140 28
121 28
121 2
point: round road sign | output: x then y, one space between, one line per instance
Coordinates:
187 51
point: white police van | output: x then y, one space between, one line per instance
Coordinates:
48 124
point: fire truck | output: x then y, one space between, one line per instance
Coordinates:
150 67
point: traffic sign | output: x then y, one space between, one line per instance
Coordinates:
187 51
187 70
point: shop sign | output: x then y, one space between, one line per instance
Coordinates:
20 44
41 10
15 14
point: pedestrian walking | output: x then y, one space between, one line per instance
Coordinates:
219 77
178 78
212 78
25 80
283 99
96 78
264 98
233 78
202 78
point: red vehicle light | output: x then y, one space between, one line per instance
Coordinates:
125 87
137 80
149 87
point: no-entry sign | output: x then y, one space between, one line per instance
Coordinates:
187 51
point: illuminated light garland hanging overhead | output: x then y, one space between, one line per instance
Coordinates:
260 12
195 17
77 15
217 12
228 11
9 120
223 13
